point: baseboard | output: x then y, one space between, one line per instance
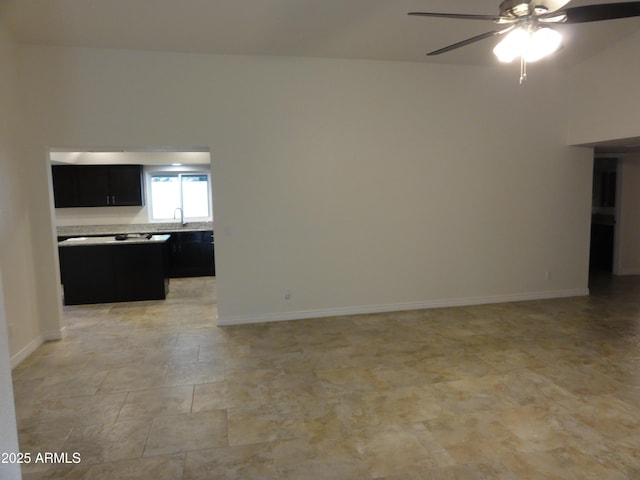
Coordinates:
56 335
397 307
26 351
627 272
34 344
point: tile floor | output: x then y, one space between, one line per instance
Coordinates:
153 390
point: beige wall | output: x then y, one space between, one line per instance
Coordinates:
359 185
628 259
604 103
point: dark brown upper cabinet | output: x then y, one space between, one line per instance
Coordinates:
97 185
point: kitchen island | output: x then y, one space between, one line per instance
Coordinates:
114 268
191 246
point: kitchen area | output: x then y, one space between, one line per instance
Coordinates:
128 221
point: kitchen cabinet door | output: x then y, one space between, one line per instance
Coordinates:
65 190
87 274
139 273
192 254
93 186
125 185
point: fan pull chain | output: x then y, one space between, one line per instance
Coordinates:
523 70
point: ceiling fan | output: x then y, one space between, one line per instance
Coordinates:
526 26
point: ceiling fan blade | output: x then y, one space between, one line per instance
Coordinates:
468 41
493 18
599 12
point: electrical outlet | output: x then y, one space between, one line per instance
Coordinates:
287 294
547 275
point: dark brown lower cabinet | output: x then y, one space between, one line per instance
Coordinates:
192 254
114 273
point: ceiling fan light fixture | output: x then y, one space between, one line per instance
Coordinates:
510 47
544 41
527 37
528 44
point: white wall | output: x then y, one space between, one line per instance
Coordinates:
9 437
16 295
17 253
604 100
358 185
101 216
628 261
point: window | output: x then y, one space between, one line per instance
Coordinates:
170 191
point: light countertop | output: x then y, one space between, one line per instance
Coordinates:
111 240
155 228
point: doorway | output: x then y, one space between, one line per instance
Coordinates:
604 217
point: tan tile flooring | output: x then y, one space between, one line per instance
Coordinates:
153 390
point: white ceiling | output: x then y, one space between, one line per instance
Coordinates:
363 29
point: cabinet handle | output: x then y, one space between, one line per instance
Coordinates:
107 199
113 199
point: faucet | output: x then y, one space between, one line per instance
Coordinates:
181 216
